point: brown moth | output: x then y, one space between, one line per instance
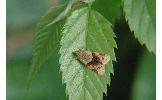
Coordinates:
93 60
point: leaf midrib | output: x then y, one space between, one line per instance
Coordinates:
84 72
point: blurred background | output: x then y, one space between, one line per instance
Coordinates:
135 70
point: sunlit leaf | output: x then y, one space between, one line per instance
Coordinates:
46 40
85 29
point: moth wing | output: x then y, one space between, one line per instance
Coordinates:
105 59
101 70
84 56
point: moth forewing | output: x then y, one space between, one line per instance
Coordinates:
84 56
93 60
104 58
101 70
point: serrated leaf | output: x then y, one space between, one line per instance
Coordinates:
68 9
111 9
46 40
141 19
85 29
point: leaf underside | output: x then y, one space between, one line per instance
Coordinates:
141 18
46 40
85 29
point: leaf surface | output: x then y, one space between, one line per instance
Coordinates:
111 9
46 40
141 18
85 29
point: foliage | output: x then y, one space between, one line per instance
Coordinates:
46 39
142 20
78 25
111 10
85 29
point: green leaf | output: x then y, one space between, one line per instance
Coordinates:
111 9
141 18
68 9
46 40
62 14
85 29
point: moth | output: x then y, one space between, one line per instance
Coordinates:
95 61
